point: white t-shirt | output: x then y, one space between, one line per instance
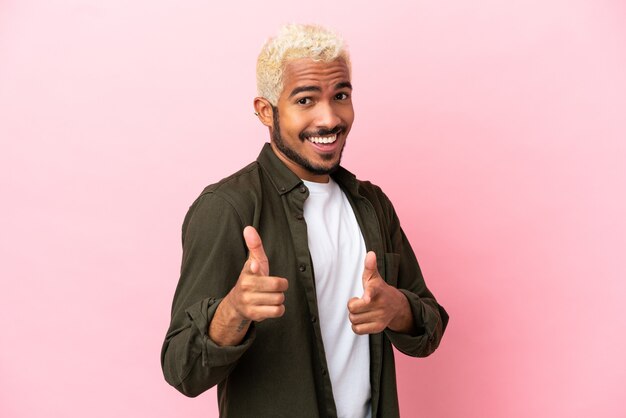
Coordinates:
338 252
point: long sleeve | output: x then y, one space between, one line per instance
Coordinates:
429 317
213 254
402 269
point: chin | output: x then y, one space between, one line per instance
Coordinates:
323 169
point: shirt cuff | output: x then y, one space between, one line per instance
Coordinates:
425 325
201 314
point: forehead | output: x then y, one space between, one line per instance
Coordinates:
305 71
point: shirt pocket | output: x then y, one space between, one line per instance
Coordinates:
391 268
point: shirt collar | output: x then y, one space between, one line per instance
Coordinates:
285 180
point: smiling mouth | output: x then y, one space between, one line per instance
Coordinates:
322 139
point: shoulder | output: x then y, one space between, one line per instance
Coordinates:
368 190
371 190
375 195
352 184
364 189
234 195
379 200
237 184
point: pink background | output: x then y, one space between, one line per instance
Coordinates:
497 128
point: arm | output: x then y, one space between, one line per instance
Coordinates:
400 304
430 319
213 254
216 299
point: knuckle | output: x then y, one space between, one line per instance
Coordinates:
256 315
280 284
352 304
245 298
245 284
247 267
280 298
273 285
248 313
279 311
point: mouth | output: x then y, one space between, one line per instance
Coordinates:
330 139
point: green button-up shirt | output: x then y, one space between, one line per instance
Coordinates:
280 368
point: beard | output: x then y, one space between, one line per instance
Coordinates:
300 159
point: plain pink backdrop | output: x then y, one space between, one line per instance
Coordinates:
497 129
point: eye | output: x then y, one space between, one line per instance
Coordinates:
304 101
341 96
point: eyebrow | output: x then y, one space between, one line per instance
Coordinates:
303 88
338 86
343 85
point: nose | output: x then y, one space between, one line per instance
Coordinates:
326 116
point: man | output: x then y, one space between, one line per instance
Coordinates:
296 277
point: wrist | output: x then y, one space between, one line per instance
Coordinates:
228 327
403 318
230 315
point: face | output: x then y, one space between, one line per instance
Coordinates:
313 117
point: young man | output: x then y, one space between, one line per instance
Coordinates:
296 277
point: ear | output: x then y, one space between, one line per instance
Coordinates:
264 111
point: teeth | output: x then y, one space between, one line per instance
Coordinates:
323 139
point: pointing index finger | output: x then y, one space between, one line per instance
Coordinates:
257 260
254 244
370 270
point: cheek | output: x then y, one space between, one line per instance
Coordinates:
294 124
347 114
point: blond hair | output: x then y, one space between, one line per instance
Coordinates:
293 42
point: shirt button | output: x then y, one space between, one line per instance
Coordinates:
323 371
302 267
299 217
313 318
302 189
282 189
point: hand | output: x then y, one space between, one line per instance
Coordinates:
381 305
256 296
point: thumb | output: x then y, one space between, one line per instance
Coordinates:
255 247
370 271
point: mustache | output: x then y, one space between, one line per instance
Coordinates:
322 132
